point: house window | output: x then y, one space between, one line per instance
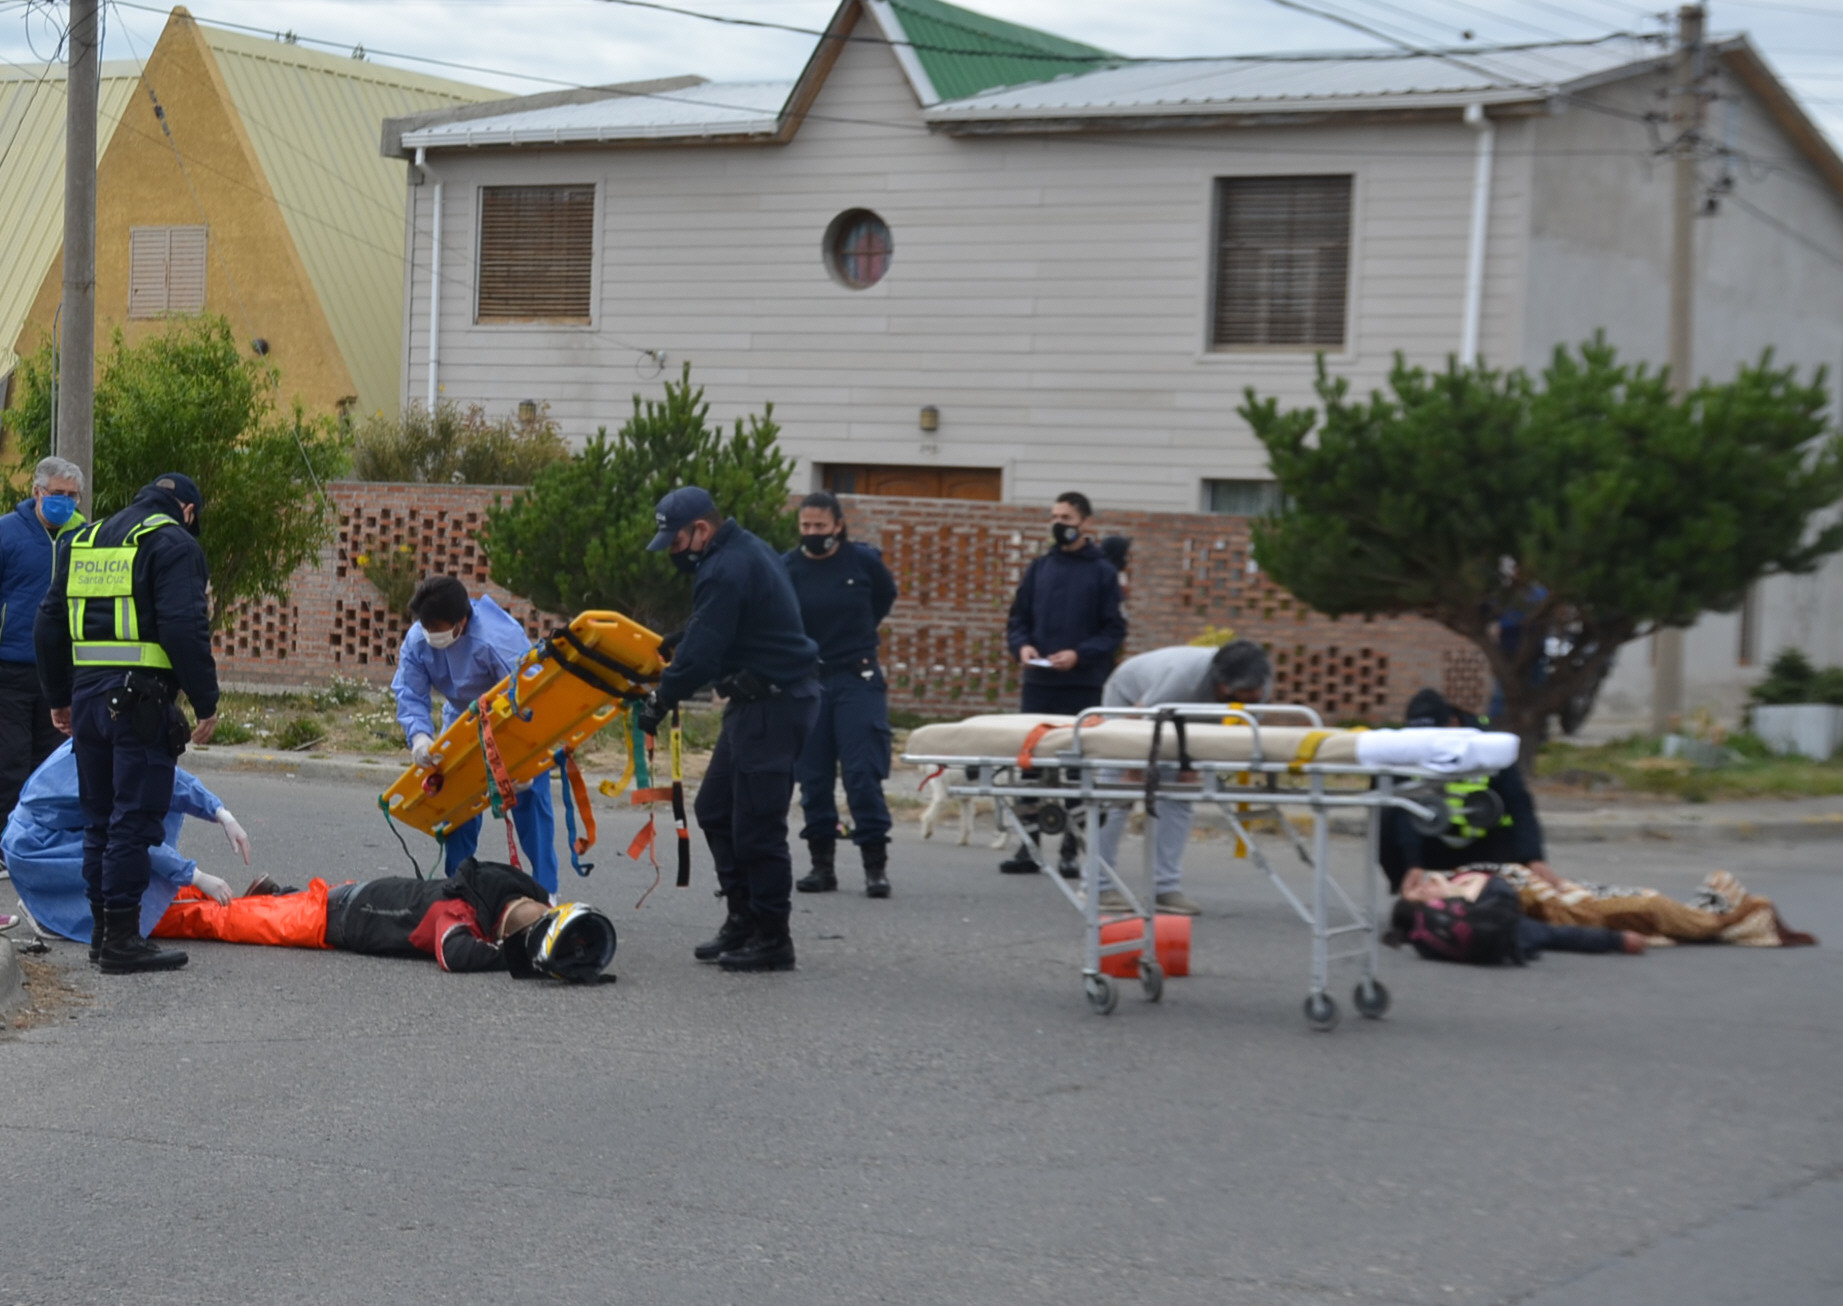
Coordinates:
1242 498
858 248
537 254
982 484
1282 262
166 270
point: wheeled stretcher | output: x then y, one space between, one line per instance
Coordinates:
1244 760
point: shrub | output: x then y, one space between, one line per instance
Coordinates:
455 445
577 539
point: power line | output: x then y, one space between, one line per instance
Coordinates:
1783 229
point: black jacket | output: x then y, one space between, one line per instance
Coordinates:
743 617
171 600
1069 601
1404 847
843 597
381 915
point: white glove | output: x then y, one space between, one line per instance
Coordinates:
206 882
422 751
239 840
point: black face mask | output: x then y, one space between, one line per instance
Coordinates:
817 546
1064 534
687 560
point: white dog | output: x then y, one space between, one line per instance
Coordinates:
938 797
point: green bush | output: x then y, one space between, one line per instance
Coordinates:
455 445
232 732
1790 678
577 538
299 733
187 400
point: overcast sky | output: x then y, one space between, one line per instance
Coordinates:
530 45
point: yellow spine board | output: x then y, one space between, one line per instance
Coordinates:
565 711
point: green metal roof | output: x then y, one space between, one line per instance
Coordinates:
965 53
32 200
314 121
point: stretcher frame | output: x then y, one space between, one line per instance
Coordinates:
1240 790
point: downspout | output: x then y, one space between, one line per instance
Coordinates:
435 285
1481 219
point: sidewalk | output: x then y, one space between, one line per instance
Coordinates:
1797 819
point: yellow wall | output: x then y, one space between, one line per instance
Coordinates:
254 277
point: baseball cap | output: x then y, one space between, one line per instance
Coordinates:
676 511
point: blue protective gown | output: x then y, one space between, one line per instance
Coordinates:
485 654
43 847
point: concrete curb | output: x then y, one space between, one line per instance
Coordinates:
12 981
337 768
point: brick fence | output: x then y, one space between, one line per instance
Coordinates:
956 565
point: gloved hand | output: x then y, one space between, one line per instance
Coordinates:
207 883
668 644
653 713
422 750
239 840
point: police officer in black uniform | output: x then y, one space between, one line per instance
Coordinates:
125 626
845 591
745 635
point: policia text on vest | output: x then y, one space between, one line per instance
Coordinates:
125 629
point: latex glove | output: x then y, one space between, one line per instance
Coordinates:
207 883
239 839
422 751
652 714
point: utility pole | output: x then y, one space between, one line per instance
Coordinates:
1686 103
77 359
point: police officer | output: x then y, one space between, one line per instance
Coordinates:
125 626
845 591
1512 834
746 636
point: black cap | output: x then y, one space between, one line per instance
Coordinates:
1429 708
676 511
184 489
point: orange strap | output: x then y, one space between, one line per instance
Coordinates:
580 788
1030 741
643 796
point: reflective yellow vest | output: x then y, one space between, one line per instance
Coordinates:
107 574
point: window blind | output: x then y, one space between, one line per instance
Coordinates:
1282 261
537 253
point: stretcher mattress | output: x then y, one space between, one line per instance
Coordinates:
1126 741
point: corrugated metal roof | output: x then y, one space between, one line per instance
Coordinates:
314 120
1348 81
965 53
32 166
713 109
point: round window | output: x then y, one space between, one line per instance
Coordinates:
858 248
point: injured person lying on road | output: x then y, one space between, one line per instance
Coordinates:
488 916
1491 913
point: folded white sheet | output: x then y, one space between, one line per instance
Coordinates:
1449 752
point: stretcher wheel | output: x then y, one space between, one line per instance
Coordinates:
1102 995
1052 818
1321 1012
1371 999
1152 979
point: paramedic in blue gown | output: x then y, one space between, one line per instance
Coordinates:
845 591
461 647
746 638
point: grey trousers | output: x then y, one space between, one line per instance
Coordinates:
1172 835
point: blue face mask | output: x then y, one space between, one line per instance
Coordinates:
58 508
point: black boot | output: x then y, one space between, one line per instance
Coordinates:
737 929
95 933
125 952
824 876
876 861
1068 863
1020 862
772 948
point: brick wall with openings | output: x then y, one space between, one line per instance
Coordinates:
956 565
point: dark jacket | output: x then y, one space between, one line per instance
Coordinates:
743 617
843 598
1069 600
386 917
26 554
1404 847
171 603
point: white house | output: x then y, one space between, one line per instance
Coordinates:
968 259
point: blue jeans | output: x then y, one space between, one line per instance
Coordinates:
536 823
1539 936
852 734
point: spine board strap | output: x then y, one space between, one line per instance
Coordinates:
576 795
501 796
678 801
602 660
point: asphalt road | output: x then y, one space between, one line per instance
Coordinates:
927 1111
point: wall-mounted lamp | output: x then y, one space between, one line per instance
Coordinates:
259 347
930 418
527 411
